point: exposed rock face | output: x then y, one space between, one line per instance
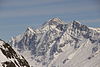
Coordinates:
9 58
58 44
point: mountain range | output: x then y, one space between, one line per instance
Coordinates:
59 44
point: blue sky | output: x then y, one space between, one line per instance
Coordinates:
17 15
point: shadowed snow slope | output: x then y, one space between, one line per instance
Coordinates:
9 58
58 44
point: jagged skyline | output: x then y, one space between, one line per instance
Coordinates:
17 15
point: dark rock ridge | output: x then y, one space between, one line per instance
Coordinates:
13 58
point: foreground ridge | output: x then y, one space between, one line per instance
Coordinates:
9 58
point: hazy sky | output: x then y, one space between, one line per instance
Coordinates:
17 15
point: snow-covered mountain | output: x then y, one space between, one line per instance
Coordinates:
9 58
58 44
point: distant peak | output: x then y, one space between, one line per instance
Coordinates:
53 21
76 22
78 25
29 29
56 20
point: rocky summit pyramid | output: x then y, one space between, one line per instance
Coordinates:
59 44
9 58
